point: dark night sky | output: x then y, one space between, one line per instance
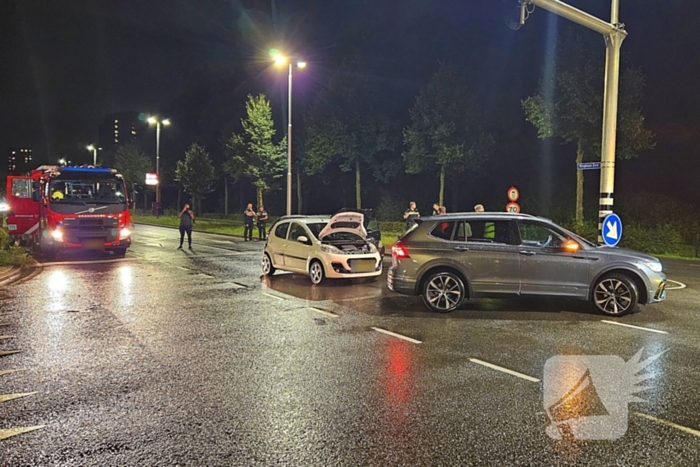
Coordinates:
64 65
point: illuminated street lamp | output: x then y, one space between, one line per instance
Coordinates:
281 60
158 124
94 150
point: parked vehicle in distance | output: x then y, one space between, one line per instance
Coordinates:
453 257
371 225
56 209
321 247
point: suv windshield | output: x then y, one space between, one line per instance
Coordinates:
87 191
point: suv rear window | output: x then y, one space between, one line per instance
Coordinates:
443 230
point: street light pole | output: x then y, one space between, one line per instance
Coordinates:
289 145
613 33
158 162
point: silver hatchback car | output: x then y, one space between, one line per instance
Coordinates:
450 258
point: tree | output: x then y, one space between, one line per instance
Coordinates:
133 164
445 130
344 127
253 154
196 173
569 106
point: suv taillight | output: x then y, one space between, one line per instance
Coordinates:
399 251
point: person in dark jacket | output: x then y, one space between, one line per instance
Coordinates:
186 221
248 221
262 222
411 214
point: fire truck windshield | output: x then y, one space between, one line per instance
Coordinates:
65 191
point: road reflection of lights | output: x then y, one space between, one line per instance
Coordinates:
398 381
125 276
57 285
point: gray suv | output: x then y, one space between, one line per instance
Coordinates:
450 258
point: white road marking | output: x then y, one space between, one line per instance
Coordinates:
682 428
184 269
228 242
400 336
237 285
504 370
6 337
7 372
205 275
323 312
632 326
680 286
97 261
4 434
155 244
273 296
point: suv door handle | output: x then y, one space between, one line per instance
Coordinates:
527 252
461 248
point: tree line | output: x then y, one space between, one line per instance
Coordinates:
446 139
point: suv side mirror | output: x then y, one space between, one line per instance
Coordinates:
302 239
571 246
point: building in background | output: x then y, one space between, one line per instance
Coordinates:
121 128
19 161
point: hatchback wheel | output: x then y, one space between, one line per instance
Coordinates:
267 268
615 294
316 273
443 291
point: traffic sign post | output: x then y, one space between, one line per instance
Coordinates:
612 229
513 207
513 194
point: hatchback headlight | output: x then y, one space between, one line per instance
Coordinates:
330 249
655 266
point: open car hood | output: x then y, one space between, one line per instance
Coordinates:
345 222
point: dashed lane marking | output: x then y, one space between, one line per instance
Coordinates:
7 372
6 337
5 324
682 428
4 434
274 296
504 370
184 269
205 275
632 326
155 244
9 352
9 397
680 285
399 336
237 285
323 312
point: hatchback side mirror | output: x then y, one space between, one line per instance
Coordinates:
302 239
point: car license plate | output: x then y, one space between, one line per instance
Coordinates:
93 244
362 265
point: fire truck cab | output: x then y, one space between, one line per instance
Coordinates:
55 209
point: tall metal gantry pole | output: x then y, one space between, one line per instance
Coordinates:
613 33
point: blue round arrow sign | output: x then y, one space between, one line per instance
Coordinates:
612 229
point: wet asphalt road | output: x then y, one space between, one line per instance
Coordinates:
189 358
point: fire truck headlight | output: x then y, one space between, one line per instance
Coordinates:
4 206
57 235
125 233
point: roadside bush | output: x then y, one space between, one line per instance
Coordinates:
11 255
653 240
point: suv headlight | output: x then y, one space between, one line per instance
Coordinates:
655 266
330 249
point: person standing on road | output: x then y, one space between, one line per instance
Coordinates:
411 214
489 227
186 221
262 222
248 221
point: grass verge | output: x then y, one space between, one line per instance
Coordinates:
11 255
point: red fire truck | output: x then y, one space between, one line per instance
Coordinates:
56 209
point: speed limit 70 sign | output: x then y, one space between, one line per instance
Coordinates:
513 207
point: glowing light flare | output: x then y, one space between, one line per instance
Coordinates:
126 276
58 281
152 120
301 64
